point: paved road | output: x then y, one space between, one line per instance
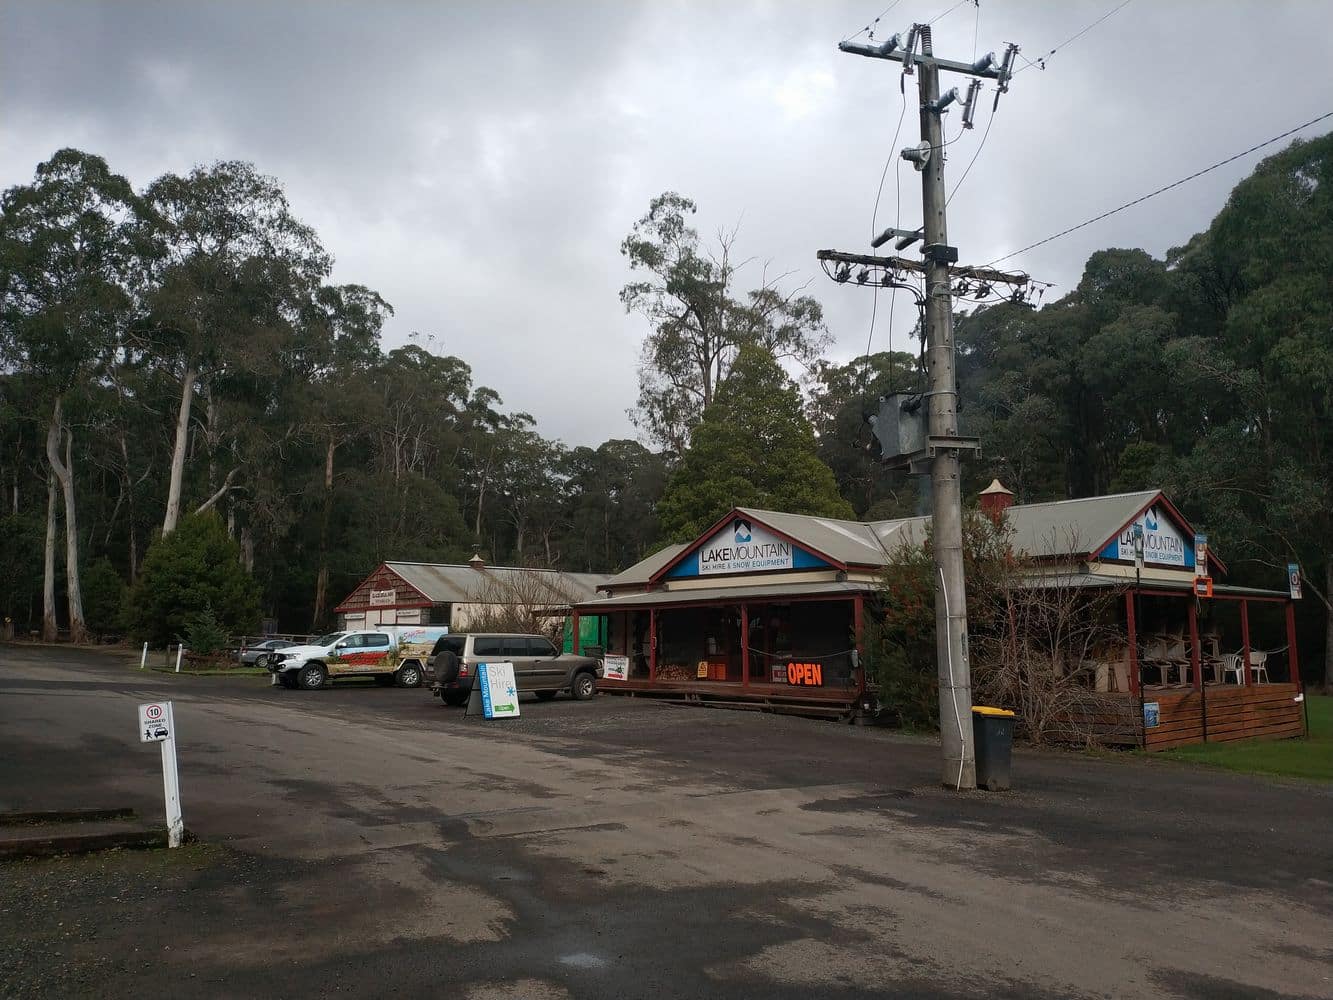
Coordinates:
369 841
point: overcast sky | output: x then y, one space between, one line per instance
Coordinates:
478 164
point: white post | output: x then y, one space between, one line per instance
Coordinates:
143 660
179 650
171 783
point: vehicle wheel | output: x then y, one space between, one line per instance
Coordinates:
545 695
455 698
408 676
585 686
312 678
261 661
287 680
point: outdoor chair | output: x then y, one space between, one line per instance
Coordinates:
1231 665
1179 659
1259 666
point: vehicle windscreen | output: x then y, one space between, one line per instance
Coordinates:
327 640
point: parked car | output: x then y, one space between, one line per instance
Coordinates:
260 653
538 665
392 654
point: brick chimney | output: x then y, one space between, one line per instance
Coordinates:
995 500
477 562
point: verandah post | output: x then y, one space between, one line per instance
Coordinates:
1293 660
1196 661
1245 642
858 634
745 645
575 647
1133 643
652 645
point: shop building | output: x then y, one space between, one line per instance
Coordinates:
767 609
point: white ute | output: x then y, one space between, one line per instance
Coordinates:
392 654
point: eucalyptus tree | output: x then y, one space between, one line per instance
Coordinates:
687 292
66 246
232 274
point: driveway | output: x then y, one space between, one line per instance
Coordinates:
370 841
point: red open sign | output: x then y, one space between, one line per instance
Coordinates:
805 674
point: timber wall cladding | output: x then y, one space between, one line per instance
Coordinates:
1231 713
382 579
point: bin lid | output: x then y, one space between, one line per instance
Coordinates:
988 710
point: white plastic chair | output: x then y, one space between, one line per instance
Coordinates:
1259 666
1231 665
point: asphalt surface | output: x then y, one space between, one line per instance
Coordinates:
370 842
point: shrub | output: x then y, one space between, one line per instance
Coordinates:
204 634
193 570
103 598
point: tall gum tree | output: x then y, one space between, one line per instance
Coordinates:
232 269
687 292
65 248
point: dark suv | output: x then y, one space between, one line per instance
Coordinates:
538 666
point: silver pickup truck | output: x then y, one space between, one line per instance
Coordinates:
538 666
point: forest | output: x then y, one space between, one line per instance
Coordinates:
177 354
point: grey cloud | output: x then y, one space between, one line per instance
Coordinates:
479 164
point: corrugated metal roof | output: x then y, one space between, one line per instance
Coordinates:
1040 529
660 598
643 570
451 584
1063 527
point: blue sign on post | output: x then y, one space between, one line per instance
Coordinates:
1151 715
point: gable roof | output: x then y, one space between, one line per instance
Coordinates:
1061 527
448 583
1080 527
642 571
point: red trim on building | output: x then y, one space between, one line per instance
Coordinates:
383 578
1161 498
693 546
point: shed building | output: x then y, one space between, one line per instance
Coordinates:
416 593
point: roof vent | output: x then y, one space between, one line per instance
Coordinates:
477 562
995 500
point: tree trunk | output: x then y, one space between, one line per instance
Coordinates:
49 628
178 453
1328 626
247 550
326 515
78 631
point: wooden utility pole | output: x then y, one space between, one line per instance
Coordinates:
945 469
943 444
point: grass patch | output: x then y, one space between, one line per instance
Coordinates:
1310 758
212 671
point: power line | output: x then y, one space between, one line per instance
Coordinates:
871 26
874 216
1041 60
941 17
968 168
1161 190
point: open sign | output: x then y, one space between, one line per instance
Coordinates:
805 674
